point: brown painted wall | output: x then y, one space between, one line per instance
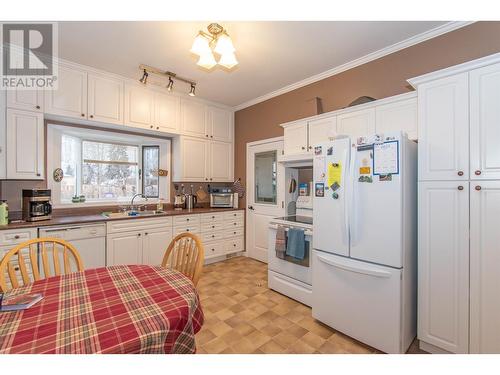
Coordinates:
379 78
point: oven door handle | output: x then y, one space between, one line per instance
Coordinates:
306 232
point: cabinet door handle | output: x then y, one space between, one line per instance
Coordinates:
211 136
16 237
83 114
91 116
477 173
157 128
303 148
478 187
138 234
206 135
37 107
460 187
310 147
151 126
460 173
146 233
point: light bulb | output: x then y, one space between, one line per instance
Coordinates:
228 60
224 45
200 45
207 60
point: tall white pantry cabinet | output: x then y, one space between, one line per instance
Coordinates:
459 208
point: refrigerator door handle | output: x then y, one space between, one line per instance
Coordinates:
346 199
352 213
365 270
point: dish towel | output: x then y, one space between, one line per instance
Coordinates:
296 244
280 244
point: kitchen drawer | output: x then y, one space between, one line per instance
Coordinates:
210 227
186 219
211 217
235 223
195 229
234 244
233 215
234 232
16 236
138 224
214 249
212 236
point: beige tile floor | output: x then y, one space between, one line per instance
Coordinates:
243 316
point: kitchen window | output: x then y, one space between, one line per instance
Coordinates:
102 167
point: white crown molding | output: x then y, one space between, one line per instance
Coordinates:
416 39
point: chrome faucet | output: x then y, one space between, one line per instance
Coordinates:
137 195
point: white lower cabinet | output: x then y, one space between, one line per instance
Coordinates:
124 248
154 245
484 267
443 265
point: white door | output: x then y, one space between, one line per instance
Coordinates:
265 190
358 123
359 299
155 245
124 248
29 100
193 119
330 214
399 116
105 99
25 145
221 161
320 131
485 123
443 126
295 137
220 124
195 159
484 267
70 98
166 108
139 106
443 265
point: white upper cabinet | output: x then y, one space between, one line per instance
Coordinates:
357 123
485 123
443 264
166 112
25 145
105 99
397 116
295 136
29 100
190 159
220 124
193 119
70 98
139 109
221 161
484 266
443 123
320 130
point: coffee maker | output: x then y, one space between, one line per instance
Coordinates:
36 204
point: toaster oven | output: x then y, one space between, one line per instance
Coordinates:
221 197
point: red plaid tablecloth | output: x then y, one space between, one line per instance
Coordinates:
118 309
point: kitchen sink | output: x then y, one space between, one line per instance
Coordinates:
131 213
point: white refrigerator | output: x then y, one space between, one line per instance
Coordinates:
365 239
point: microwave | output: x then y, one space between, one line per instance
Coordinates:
221 197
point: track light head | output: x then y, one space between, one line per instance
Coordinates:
192 91
144 78
170 84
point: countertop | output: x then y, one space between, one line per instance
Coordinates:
84 219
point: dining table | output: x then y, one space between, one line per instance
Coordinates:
118 309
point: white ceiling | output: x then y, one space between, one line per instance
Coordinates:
272 55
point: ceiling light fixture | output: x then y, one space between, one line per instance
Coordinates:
171 77
170 85
144 78
191 92
216 40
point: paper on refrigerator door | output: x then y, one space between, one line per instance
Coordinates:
334 175
319 168
386 158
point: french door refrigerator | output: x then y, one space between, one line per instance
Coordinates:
365 239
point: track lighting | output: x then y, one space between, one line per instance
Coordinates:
193 88
144 78
170 84
171 77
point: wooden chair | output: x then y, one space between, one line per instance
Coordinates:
23 260
186 255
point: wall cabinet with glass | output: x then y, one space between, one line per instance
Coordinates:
200 160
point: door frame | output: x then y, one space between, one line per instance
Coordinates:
249 177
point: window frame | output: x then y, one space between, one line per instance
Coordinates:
55 131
